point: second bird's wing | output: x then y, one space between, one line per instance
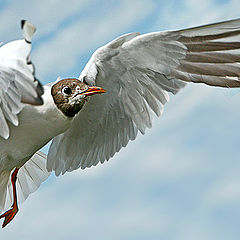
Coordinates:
137 72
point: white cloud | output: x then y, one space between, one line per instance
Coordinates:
224 192
180 14
47 15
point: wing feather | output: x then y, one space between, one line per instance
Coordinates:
138 72
18 84
30 176
212 57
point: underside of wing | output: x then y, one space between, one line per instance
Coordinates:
18 85
137 72
96 141
212 54
108 122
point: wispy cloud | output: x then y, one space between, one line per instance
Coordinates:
48 16
87 33
179 14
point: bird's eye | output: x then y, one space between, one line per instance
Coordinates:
67 90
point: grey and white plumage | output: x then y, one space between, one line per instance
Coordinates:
18 86
137 72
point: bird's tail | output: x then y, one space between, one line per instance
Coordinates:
29 178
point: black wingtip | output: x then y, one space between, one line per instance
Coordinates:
22 23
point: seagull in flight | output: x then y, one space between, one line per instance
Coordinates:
92 117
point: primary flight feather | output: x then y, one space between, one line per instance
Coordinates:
134 72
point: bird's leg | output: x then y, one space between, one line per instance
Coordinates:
10 214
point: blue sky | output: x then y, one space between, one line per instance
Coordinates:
180 181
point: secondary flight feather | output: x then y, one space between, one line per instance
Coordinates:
130 78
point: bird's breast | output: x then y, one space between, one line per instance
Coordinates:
37 126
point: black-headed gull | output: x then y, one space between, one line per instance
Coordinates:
135 72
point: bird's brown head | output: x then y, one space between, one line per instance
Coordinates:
70 94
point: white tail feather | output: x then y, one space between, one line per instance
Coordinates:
29 178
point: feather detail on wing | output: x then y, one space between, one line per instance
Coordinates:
18 84
138 71
29 178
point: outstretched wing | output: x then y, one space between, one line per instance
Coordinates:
137 72
18 84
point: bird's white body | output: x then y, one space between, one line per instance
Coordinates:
37 126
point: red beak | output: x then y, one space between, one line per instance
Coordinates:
93 90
